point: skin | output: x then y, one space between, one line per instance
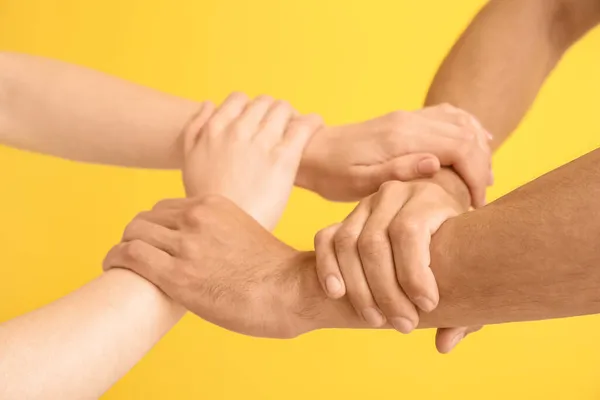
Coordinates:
529 256
494 71
93 336
72 112
498 66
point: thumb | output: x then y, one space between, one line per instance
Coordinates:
446 339
405 168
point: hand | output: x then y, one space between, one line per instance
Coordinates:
214 259
247 151
351 162
379 256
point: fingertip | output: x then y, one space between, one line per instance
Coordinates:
428 166
402 325
425 303
334 287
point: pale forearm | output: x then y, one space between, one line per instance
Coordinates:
76 113
500 62
80 345
531 255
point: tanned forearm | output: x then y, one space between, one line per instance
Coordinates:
498 65
531 255
56 108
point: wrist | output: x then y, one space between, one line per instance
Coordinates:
453 184
310 308
310 172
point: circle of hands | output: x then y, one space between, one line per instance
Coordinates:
213 252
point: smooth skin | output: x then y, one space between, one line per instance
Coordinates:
72 112
80 345
531 255
494 71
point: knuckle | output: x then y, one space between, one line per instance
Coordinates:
406 227
324 236
160 205
345 238
194 216
372 243
240 96
284 105
214 127
314 120
133 228
390 188
134 250
264 98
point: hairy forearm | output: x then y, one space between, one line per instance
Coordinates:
531 255
80 345
61 109
498 65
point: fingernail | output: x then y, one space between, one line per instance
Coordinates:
456 340
402 325
373 317
333 285
427 166
425 304
489 135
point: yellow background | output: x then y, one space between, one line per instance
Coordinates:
347 60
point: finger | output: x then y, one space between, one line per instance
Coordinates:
275 122
377 259
254 113
446 339
193 130
143 259
328 270
474 169
155 235
174 204
463 152
475 164
299 131
231 109
410 234
346 250
403 168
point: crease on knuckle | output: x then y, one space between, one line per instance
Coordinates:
345 239
135 251
372 243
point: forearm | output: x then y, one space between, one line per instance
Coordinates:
73 112
498 65
531 255
80 345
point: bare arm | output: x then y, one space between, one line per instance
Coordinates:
80 345
497 67
73 112
531 255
